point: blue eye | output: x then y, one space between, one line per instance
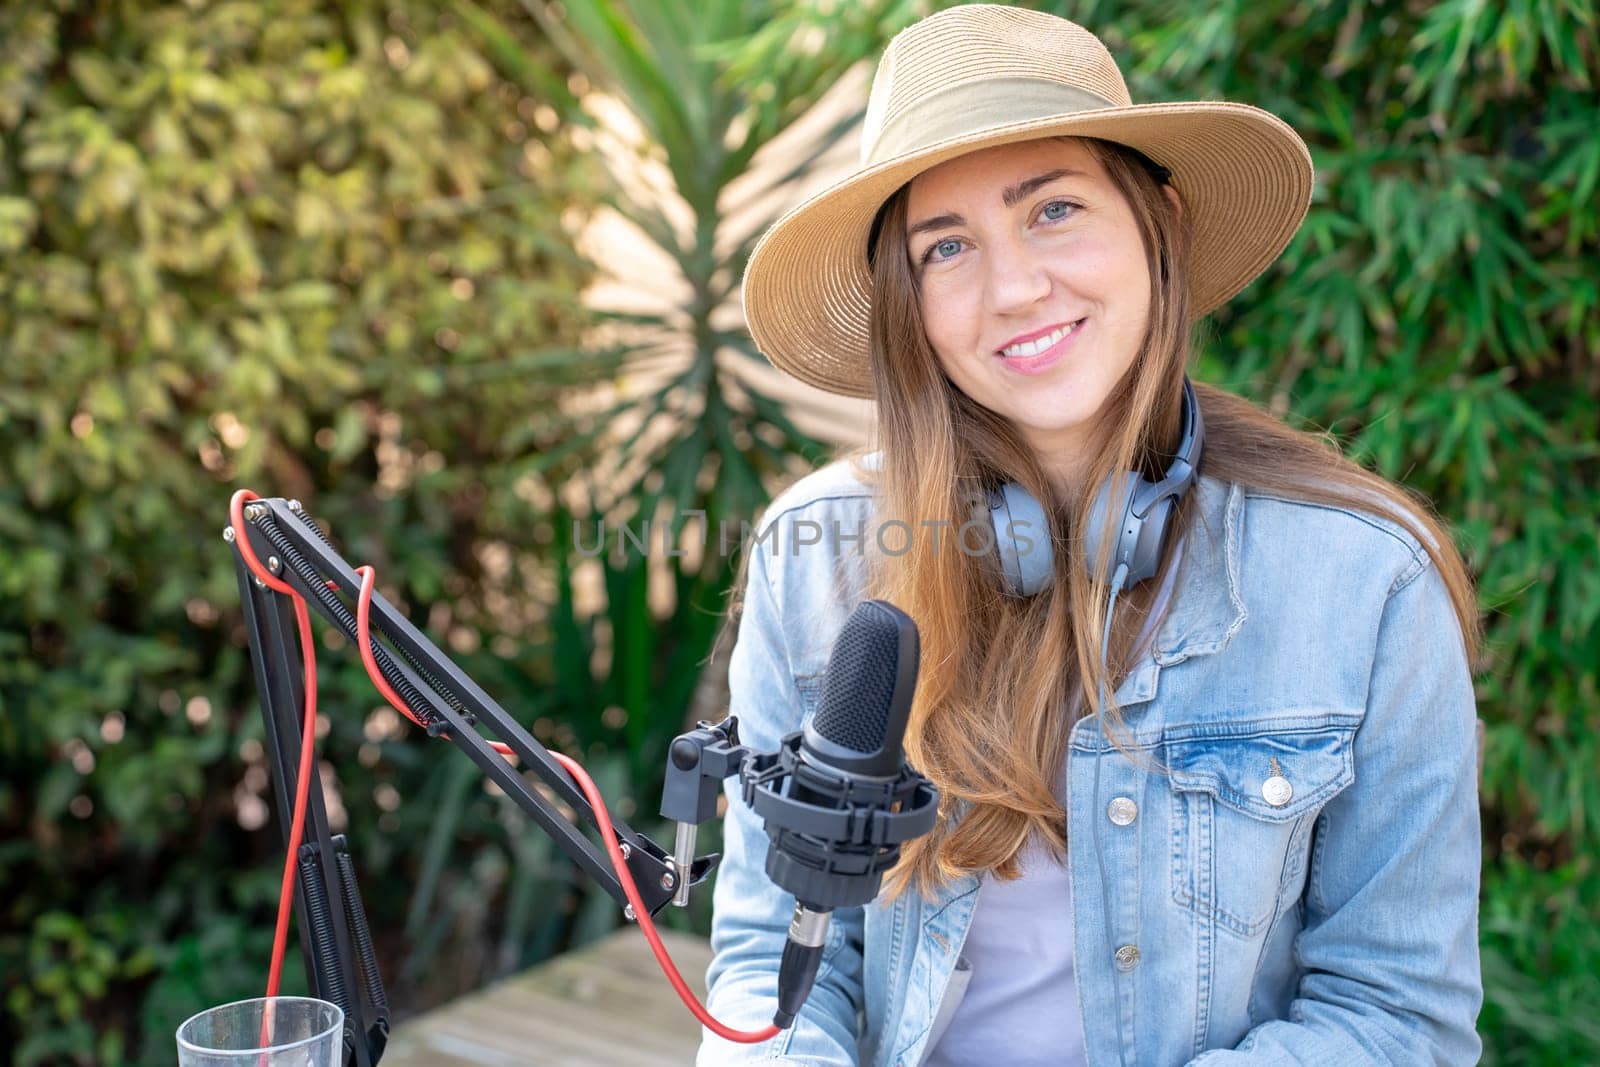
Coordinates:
941 250
954 242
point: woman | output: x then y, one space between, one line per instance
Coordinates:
1238 825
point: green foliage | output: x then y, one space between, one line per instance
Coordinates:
1439 313
315 249
684 72
324 250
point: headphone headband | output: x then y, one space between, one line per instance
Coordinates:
1184 468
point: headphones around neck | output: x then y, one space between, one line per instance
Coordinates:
1146 519
1022 530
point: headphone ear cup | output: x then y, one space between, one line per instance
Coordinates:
1022 539
1137 542
1152 535
1115 497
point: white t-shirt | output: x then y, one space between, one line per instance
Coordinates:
1021 1002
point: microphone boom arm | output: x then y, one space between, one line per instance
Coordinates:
334 939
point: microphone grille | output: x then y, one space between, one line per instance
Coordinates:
858 690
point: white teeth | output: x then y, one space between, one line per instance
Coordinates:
1033 348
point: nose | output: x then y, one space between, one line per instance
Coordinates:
1016 278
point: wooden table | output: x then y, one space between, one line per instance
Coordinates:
605 1004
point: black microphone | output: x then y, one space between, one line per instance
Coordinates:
837 798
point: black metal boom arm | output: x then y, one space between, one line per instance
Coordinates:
334 939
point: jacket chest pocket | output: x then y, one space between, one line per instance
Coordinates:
1244 799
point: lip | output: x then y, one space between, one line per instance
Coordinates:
1044 360
1031 336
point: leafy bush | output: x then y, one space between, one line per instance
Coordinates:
1439 314
323 250
310 248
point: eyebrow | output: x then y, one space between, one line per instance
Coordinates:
1010 196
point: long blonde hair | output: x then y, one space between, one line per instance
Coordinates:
993 709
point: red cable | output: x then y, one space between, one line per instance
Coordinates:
308 729
602 820
370 661
646 923
307 757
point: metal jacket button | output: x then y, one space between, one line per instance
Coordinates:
1122 811
1127 957
1277 791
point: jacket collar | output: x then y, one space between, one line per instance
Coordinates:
1207 607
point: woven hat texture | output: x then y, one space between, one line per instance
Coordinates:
980 75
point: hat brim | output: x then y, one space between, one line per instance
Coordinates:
1244 175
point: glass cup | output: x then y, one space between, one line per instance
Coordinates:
264 1032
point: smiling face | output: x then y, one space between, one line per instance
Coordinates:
1033 286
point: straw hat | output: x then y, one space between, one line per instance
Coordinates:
980 75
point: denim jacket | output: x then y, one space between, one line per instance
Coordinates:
1327 918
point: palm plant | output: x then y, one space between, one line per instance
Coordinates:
1437 313
694 112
